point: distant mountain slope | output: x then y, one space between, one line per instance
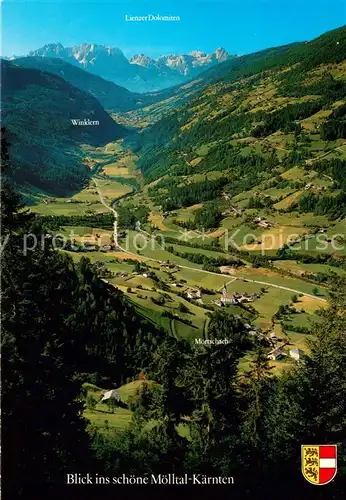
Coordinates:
37 111
111 96
139 74
250 121
327 48
169 99
215 84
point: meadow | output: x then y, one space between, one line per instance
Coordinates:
159 301
110 421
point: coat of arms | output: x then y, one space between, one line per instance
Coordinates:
319 463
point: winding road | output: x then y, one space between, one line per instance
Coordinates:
115 234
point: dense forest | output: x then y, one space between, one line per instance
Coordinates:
178 195
335 126
332 205
204 218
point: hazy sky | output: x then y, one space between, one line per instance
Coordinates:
241 26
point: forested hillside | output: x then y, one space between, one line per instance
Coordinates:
37 111
260 116
328 48
111 96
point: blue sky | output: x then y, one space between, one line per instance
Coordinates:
241 26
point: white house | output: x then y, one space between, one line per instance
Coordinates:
194 294
296 353
263 223
113 394
148 275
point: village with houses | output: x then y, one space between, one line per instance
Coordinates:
180 293
161 282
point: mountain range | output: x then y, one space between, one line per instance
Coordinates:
138 74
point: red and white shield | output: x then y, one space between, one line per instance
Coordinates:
319 463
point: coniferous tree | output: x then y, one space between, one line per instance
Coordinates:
211 379
44 435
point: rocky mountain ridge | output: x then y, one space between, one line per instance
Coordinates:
140 73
